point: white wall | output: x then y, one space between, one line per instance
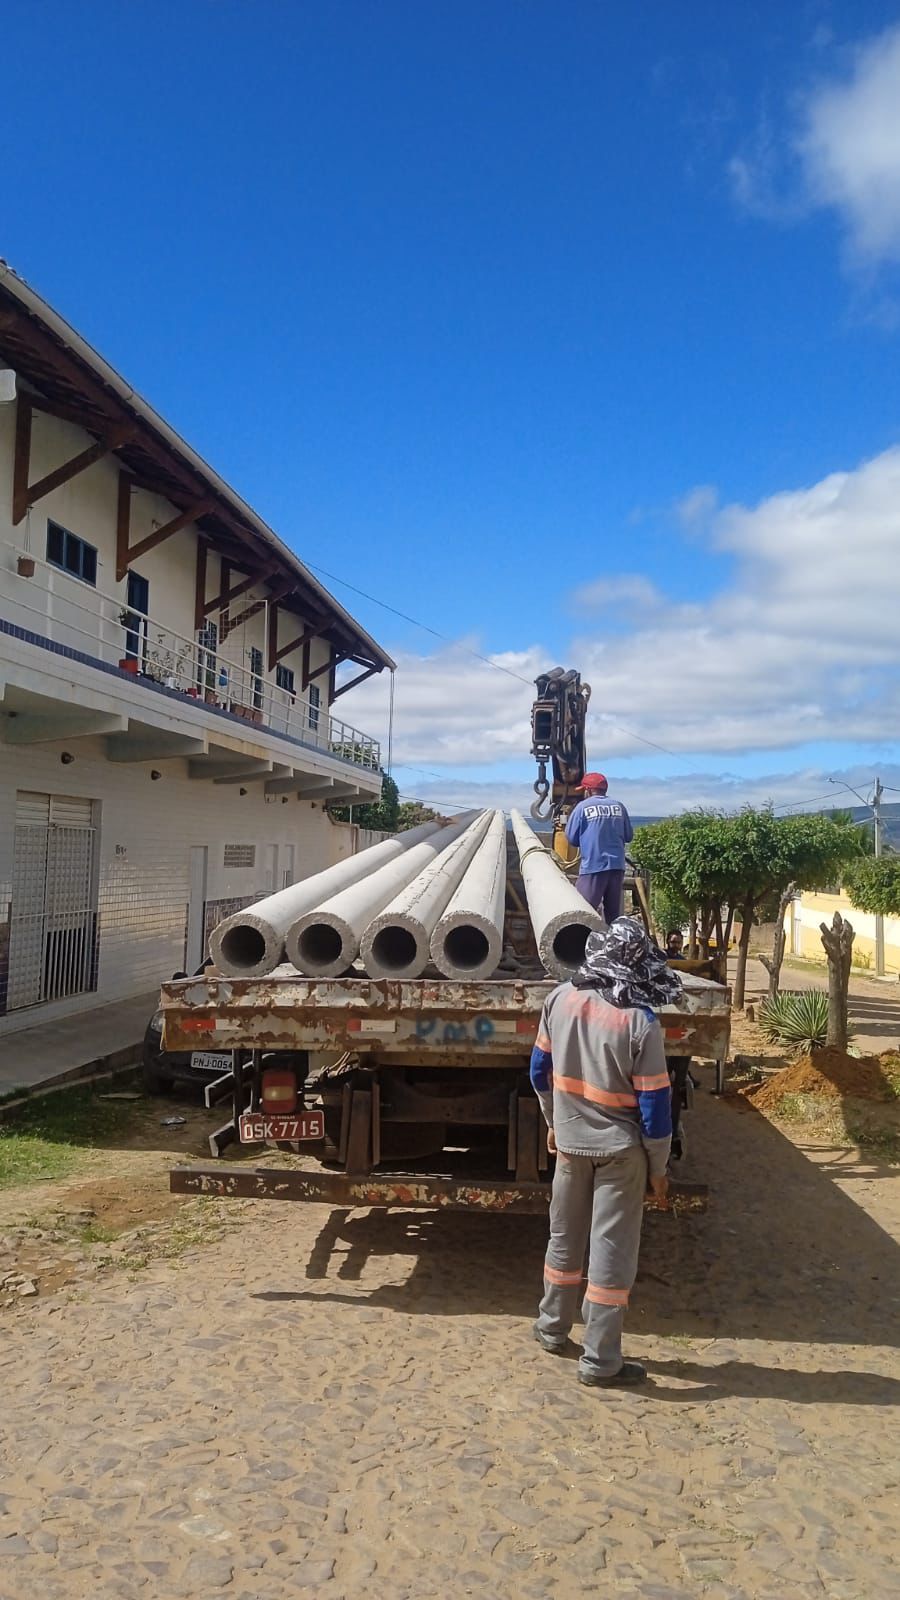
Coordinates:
87 505
146 831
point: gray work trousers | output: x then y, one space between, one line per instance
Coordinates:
601 1197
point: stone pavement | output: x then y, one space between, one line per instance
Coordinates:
350 1404
73 1047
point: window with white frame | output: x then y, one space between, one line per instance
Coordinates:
315 701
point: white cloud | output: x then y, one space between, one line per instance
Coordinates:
850 147
628 590
698 505
840 152
800 646
807 788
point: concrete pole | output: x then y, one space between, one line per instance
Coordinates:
879 918
251 942
396 944
560 918
468 939
325 941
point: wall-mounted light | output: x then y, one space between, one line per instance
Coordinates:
154 775
284 799
242 791
67 758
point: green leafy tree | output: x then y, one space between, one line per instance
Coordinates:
412 814
380 815
721 865
874 884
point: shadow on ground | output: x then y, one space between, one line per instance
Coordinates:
782 1254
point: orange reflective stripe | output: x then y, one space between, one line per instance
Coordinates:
606 1297
600 1097
659 1080
542 1042
553 1275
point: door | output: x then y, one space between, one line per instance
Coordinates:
195 950
287 866
137 604
53 911
271 869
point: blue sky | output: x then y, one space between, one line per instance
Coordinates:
496 309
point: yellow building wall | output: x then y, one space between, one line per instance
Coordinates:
802 922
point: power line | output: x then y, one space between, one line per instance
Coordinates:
477 656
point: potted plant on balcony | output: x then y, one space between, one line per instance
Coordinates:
25 566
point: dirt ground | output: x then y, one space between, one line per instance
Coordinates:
251 1400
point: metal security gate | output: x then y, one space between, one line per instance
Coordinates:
53 922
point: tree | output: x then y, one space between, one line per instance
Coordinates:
720 865
379 815
838 942
873 884
773 962
412 814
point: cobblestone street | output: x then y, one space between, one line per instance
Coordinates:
351 1404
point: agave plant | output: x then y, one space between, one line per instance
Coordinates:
796 1017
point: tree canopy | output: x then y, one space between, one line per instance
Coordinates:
380 815
412 814
717 864
874 884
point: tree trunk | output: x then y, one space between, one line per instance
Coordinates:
692 947
773 962
838 942
740 977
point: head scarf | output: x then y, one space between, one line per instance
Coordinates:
627 968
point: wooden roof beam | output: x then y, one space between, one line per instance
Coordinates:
25 494
354 682
126 552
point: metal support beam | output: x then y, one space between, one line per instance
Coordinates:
242 1182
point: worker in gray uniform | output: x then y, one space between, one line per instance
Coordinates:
599 1070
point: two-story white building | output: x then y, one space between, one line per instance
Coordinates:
168 745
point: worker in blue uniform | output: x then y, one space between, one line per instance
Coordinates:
600 828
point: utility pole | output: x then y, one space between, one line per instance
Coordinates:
879 919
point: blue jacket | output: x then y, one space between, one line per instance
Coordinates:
600 828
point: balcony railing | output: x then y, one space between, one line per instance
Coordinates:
69 613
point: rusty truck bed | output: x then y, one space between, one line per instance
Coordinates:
440 1021
471 1041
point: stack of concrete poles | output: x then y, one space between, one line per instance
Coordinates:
251 942
396 942
560 918
467 941
325 941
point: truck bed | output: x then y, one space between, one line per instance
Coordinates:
434 1021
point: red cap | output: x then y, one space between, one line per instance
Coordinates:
593 780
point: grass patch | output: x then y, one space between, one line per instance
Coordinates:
52 1136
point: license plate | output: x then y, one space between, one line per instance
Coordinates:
211 1060
255 1127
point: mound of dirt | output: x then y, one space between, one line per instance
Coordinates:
827 1074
